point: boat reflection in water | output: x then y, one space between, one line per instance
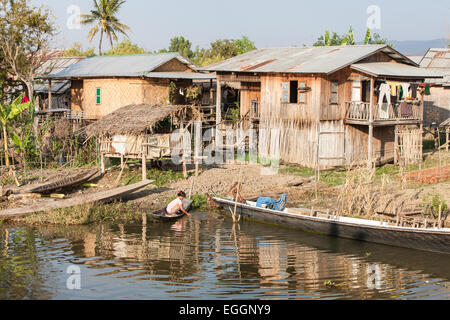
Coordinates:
207 257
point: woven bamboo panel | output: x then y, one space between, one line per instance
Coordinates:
117 93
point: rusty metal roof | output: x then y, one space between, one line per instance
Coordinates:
438 61
303 60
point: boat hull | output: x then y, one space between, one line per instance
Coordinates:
428 240
162 215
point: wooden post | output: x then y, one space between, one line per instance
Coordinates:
144 166
49 94
370 145
218 103
102 163
440 216
396 147
447 131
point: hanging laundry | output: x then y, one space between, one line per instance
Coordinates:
385 91
406 110
393 85
427 90
405 89
414 87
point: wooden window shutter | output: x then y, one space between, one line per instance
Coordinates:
285 92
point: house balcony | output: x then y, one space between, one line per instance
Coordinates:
386 115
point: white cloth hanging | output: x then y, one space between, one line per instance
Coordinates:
405 87
385 91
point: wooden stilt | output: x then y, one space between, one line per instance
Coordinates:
218 103
49 94
370 145
144 167
102 163
447 139
396 147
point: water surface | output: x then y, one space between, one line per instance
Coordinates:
206 257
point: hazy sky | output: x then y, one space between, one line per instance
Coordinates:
274 23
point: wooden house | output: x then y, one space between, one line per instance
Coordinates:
101 85
437 104
324 101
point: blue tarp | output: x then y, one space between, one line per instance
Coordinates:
272 204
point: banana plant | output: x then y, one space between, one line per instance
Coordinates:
9 112
368 36
327 38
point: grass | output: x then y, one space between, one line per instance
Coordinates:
163 178
84 215
334 178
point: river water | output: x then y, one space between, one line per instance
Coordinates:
206 257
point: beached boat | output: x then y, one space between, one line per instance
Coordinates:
162 214
99 197
428 239
65 183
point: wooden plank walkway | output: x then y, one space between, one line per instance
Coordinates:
104 196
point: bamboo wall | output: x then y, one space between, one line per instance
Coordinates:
173 65
357 140
437 105
117 93
297 123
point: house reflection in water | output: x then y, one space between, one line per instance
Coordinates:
207 251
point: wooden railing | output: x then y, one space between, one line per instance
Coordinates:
360 111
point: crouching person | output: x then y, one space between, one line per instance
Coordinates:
176 206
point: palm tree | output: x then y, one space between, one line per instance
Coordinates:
105 20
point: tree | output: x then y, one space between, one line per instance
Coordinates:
125 47
7 113
104 18
326 40
182 46
244 45
348 39
76 50
25 32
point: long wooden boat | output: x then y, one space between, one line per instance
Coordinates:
433 239
162 214
104 197
69 182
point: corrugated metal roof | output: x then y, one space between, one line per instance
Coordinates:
58 87
180 75
303 60
392 69
119 66
416 58
437 60
58 64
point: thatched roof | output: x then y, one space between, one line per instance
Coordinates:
132 119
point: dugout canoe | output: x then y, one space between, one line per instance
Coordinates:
162 214
65 183
91 198
430 239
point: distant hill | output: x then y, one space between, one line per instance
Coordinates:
415 47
